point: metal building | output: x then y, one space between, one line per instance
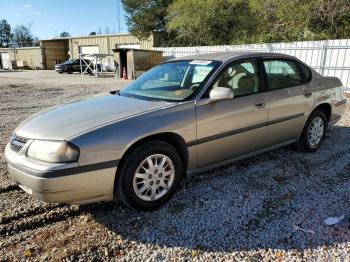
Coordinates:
30 56
134 62
72 47
61 49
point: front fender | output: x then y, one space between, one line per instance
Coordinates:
110 142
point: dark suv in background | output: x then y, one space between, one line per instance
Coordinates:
71 66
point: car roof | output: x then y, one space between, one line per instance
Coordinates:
226 56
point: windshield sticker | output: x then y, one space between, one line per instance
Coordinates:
201 62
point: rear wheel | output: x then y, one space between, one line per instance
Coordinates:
70 70
149 175
314 132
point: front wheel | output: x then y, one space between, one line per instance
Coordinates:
314 132
70 70
149 175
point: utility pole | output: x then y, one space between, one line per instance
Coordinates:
118 16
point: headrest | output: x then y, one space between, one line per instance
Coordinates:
246 82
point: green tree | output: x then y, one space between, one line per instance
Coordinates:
22 36
93 33
218 22
211 22
279 20
147 16
330 18
5 34
291 20
64 34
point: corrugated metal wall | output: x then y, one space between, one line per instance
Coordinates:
52 50
329 57
31 56
107 42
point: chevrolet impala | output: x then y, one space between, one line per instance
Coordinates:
182 117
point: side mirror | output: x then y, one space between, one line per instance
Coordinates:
220 93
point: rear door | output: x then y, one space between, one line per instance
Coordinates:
290 98
230 128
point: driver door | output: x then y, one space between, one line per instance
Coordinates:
76 65
230 128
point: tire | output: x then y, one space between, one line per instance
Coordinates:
307 142
130 188
70 70
60 73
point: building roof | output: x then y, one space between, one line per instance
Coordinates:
84 36
96 55
135 49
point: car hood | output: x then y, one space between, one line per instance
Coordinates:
63 122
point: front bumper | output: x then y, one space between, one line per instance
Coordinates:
61 69
62 183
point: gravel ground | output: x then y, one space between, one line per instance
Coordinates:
253 210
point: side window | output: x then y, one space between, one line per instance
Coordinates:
242 77
305 72
282 74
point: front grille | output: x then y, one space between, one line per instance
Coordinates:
17 143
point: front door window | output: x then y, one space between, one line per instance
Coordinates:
242 77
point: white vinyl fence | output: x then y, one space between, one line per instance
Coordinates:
329 57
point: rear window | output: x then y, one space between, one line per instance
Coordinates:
285 73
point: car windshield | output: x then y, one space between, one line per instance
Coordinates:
70 61
173 81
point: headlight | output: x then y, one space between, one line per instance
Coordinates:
53 151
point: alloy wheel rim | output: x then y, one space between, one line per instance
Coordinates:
315 131
153 177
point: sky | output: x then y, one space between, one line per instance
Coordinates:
48 18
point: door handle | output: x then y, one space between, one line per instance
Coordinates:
260 105
307 93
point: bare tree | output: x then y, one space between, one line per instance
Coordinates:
107 30
64 34
22 36
99 32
